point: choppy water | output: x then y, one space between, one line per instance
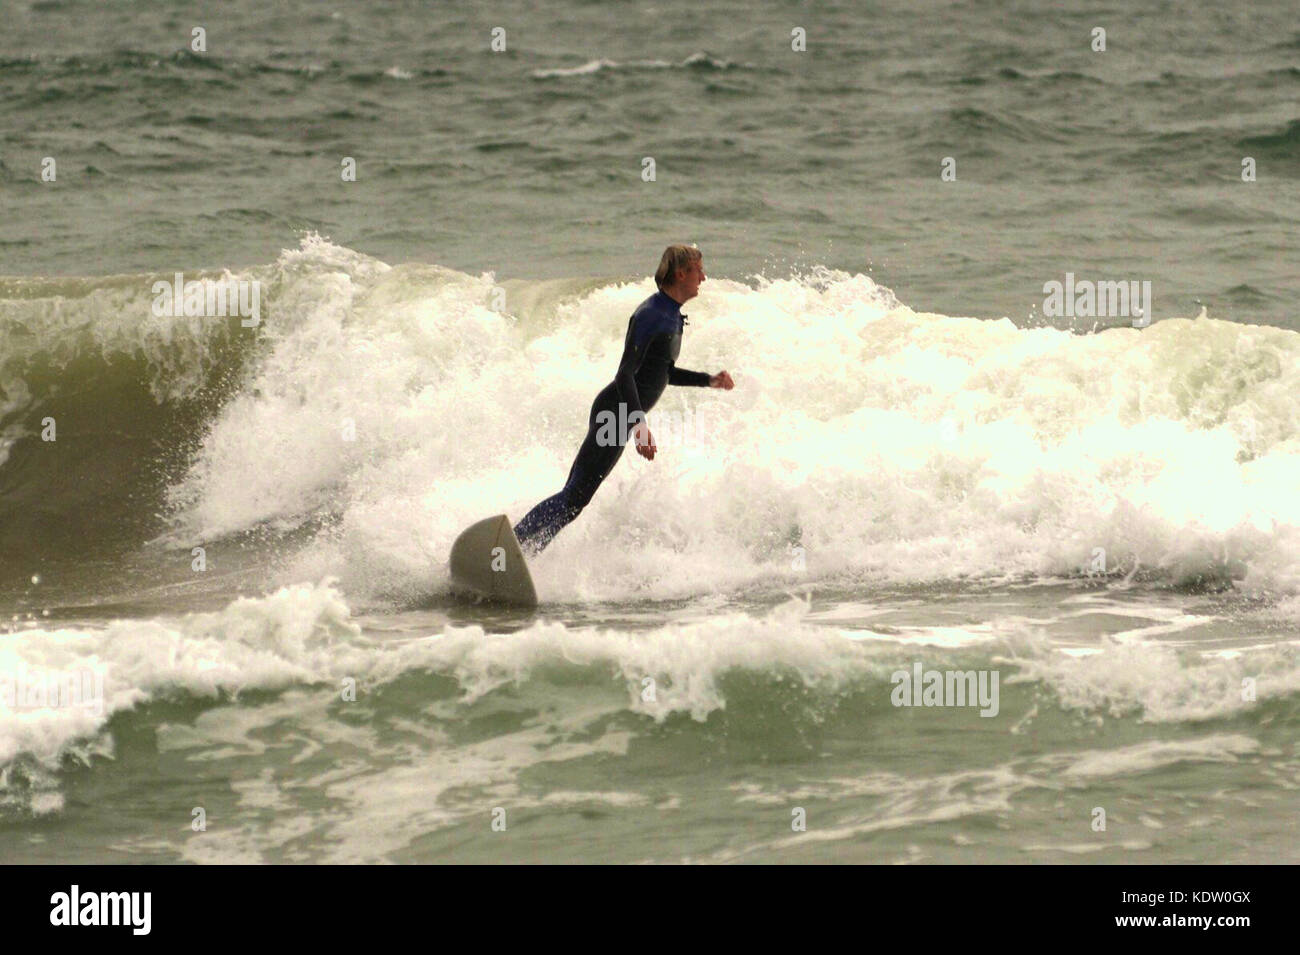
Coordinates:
527 162
1106 521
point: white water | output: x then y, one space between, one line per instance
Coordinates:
885 443
305 636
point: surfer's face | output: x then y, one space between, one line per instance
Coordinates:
689 279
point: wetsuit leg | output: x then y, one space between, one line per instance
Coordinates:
591 466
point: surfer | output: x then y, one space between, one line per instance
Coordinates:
654 337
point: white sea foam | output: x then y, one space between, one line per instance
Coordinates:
862 439
304 636
1157 754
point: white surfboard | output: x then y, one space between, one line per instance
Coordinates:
487 561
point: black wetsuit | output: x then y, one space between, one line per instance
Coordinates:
654 337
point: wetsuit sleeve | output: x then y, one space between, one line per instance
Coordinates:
692 379
625 377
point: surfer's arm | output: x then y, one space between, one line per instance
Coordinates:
625 377
690 379
699 379
625 382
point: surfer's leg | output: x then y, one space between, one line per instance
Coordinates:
591 466
542 523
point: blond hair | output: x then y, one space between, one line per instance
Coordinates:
676 259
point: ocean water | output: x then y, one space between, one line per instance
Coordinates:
229 635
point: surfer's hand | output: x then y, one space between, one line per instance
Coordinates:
721 380
645 442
